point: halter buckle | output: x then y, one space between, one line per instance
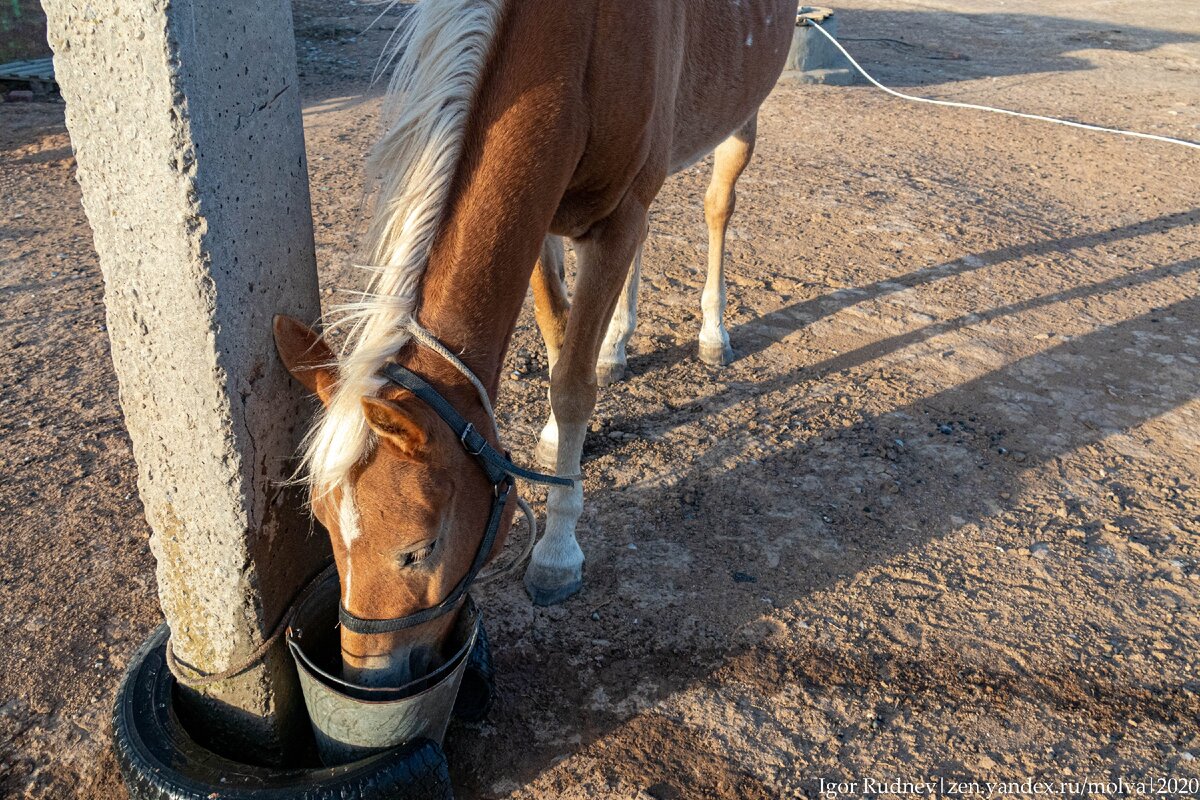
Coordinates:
467 431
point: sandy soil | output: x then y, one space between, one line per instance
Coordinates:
938 521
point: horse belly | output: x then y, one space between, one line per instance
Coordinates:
734 53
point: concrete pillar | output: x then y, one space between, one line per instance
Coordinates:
185 119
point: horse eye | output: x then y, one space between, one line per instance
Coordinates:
416 556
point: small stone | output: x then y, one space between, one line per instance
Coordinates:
616 435
1019 456
946 429
742 577
1186 756
1039 550
595 616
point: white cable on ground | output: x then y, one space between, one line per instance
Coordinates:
953 104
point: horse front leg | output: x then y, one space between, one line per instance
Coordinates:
555 571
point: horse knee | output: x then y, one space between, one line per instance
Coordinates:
572 398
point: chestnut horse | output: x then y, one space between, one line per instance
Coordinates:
514 122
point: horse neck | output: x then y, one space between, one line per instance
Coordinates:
475 283
509 183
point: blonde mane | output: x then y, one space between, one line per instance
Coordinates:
440 54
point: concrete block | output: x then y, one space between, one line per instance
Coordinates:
185 119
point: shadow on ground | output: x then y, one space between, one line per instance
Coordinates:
719 505
918 48
748 338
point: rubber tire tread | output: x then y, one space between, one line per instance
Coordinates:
159 761
478 688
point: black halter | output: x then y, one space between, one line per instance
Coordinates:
500 472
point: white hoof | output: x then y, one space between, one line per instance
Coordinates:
609 372
548 587
718 354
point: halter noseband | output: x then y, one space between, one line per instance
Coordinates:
500 472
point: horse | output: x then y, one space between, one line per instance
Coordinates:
513 123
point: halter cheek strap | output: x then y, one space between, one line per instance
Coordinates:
495 465
500 472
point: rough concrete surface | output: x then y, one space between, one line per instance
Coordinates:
938 519
185 120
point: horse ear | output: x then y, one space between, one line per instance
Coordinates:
396 424
306 356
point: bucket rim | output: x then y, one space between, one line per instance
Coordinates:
388 694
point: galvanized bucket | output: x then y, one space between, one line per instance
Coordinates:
813 58
352 721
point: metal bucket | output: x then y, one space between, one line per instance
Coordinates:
352 721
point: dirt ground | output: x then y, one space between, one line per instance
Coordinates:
939 520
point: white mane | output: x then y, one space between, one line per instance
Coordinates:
440 54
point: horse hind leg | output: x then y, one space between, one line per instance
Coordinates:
555 571
550 308
610 366
731 158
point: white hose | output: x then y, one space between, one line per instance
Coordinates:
973 106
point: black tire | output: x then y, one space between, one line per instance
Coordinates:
478 686
160 761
